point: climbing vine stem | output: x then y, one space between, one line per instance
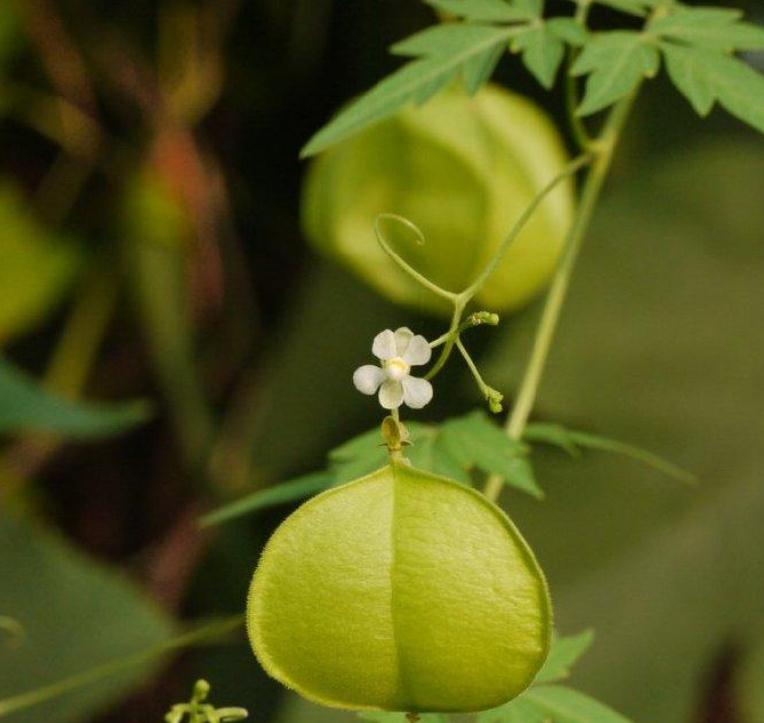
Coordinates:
603 147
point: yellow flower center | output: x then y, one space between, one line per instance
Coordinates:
396 368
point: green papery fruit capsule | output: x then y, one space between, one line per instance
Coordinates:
400 591
463 169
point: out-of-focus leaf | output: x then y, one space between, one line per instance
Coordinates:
563 655
441 52
571 440
661 343
24 405
291 491
564 705
36 265
552 703
76 614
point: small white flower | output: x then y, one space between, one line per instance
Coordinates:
398 352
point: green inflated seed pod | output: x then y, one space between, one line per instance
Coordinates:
400 591
463 169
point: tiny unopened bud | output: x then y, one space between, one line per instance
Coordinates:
201 690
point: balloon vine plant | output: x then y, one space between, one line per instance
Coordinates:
401 589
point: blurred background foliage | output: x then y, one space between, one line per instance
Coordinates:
151 258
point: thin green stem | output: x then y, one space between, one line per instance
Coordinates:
485 389
404 265
477 319
526 397
450 340
573 167
577 126
202 634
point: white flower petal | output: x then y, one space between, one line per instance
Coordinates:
384 345
416 392
368 378
402 338
418 351
391 394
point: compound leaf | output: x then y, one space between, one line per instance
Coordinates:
476 442
24 405
494 11
76 614
565 705
291 491
542 52
713 28
688 77
615 62
442 52
572 440
699 73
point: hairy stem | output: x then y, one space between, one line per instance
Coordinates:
604 147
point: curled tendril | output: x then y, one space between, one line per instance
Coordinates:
404 265
460 300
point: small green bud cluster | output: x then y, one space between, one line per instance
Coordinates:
200 712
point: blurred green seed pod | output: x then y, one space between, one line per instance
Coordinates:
400 591
463 169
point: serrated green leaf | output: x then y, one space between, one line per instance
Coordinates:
24 405
291 491
565 705
479 69
712 28
615 62
359 456
569 30
564 653
735 85
429 451
446 49
688 77
570 439
450 38
542 53
476 442
484 10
